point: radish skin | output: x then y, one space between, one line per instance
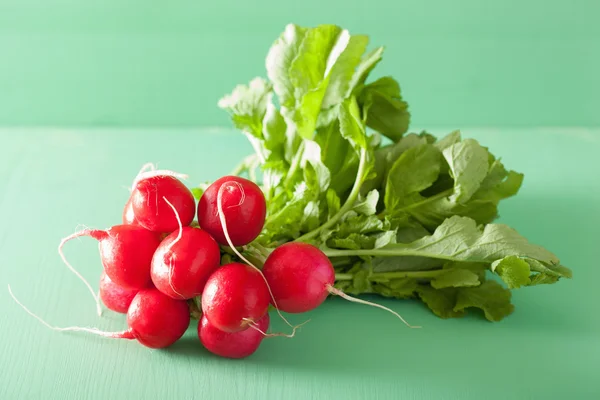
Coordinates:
232 345
115 297
243 205
235 296
150 208
126 253
156 320
298 275
183 262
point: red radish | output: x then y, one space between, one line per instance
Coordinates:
301 277
243 206
128 215
149 206
232 345
235 296
126 253
155 320
115 297
183 262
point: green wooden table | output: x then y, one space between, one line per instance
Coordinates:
52 180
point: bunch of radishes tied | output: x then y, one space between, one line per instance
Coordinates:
162 269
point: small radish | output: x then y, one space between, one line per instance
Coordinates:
150 189
115 297
301 277
126 253
155 320
235 297
232 345
243 205
183 262
128 217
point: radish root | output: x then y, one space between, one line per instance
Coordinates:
127 334
343 295
154 173
234 249
254 326
85 232
177 239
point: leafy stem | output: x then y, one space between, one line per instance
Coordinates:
294 165
386 276
347 205
396 250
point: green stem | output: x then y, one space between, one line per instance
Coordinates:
386 276
294 165
387 252
347 205
438 196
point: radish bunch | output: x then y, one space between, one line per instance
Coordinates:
159 267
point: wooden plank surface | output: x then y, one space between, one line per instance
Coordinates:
51 180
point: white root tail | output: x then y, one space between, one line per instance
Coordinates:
254 326
85 232
154 173
230 243
343 295
177 239
115 335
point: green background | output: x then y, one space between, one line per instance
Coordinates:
135 62
89 91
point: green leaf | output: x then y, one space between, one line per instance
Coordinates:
273 129
367 205
316 174
384 238
513 270
369 61
384 108
414 171
468 163
455 278
339 156
386 156
448 140
297 64
353 241
333 203
340 81
460 239
351 125
285 216
490 297
247 105
440 301
279 60
361 224
310 218
197 192
402 288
